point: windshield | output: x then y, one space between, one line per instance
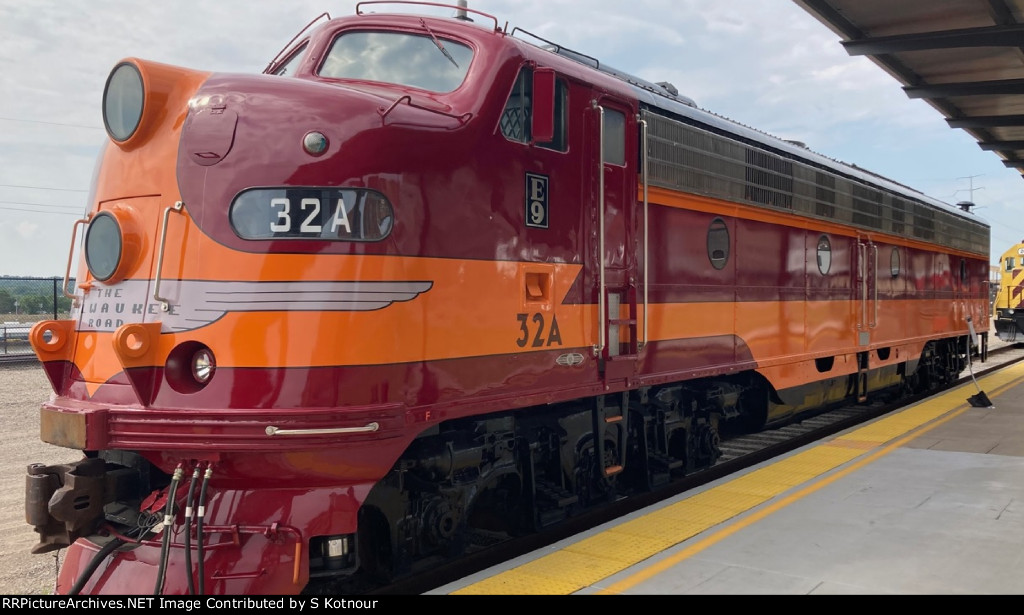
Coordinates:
426 62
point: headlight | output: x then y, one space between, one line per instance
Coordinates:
103 246
203 365
190 367
123 98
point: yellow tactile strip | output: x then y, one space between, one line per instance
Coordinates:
587 562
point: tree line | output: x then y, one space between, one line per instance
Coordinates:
33 296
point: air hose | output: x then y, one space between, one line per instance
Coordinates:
199 527
93 564
165 548
188 532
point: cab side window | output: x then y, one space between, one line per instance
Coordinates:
515 118
287 68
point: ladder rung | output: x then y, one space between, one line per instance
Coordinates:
622 321
622 357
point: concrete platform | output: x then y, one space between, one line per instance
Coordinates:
929 500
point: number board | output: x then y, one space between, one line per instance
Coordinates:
536 200
333 214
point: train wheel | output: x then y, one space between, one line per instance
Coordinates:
704 444
592 484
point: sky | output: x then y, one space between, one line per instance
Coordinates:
767 64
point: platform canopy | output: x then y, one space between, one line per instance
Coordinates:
964 57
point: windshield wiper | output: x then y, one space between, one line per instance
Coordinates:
438 43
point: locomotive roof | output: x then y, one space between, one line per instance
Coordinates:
664 97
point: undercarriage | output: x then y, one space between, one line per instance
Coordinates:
477 480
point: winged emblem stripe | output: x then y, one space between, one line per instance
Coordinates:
196 303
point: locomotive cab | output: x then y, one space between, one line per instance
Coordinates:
305 230
1008 299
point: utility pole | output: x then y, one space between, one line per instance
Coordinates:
972 188
969 203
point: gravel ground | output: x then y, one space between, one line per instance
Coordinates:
22 389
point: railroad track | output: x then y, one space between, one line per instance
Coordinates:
739 452
18 358
771 442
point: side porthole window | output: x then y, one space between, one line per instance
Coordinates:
718 243
824 255
894 263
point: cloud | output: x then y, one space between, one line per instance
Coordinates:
27 230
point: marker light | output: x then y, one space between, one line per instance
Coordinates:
315 143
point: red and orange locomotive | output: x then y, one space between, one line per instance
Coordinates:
427 279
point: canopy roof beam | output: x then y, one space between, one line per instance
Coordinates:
990 36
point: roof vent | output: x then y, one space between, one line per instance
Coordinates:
668 87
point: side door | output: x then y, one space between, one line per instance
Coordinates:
866 290
866 302
613 164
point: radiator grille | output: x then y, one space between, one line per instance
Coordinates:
690 159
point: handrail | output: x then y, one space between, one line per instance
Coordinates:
458 8
165 304
874 319
277 431
601 324
71 255
384 112
643 340
558 49
864 286
862 262
273 63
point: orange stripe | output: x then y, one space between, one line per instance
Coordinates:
693 202
452 322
